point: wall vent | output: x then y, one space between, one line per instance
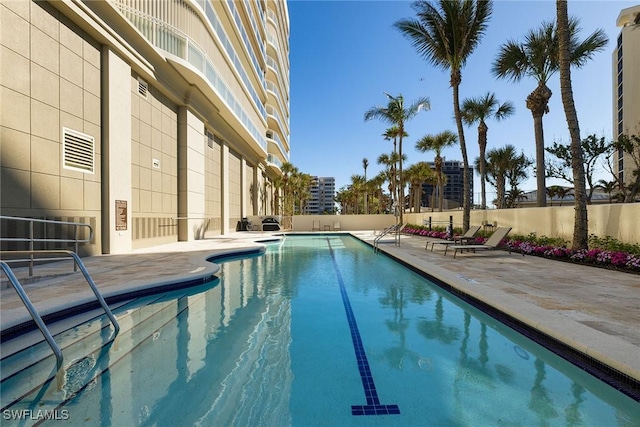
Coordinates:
78 151
143 88
210 139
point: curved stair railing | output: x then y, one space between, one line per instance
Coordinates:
31 308
395 228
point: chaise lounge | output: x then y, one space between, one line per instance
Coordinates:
492 242
457 240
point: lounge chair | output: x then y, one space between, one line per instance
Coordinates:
336 226
458 240
316 226
492 242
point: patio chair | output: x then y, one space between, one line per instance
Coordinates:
467 237
316 226
336 226
492 242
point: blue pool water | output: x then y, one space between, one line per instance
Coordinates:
317 331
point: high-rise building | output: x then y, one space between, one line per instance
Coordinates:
453 186
154 121
626 86
323 194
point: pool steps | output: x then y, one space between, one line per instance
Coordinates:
79 344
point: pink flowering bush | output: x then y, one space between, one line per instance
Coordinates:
623 257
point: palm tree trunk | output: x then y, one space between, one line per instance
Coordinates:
580 229
440 192
541 197
401 189
482 143
500 187
538 102
466 205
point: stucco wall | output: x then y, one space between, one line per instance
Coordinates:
620 221
347 222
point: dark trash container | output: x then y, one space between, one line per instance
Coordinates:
243 225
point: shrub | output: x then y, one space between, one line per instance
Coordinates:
605 252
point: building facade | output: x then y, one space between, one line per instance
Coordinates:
154 121
626 87
323 196
453 171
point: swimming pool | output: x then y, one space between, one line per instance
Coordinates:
317 331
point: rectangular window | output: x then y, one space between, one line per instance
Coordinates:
78 151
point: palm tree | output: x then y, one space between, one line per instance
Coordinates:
566 54
304 181
552 192
392 133
397 114
389 162
417 175
377 182
445 36
516 173
564 192
437 143
288 171
365 164
499 161
477 110
537 57
608 187
357 186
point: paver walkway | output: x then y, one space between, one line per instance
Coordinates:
594 310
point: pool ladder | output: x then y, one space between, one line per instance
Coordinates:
32 310
395 228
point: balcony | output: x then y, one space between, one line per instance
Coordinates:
274 138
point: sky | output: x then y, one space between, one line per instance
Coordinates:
345 55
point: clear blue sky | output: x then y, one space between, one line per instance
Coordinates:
345 54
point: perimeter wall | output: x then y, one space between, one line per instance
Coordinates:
620 220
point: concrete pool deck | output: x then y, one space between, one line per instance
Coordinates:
595 311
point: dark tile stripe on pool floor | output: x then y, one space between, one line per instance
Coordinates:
373 406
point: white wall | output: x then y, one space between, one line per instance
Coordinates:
117 150
347 222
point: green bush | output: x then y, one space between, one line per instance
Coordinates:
557 242
609 243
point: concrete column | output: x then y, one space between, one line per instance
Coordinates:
244 209
116 154
257 189
224 176
191 172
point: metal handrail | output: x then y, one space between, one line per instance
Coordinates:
390 229
34 313
31 239
85 273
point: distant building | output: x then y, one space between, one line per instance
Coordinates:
626 86
453 185
323 194
564 198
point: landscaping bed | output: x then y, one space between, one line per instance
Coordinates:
603 252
